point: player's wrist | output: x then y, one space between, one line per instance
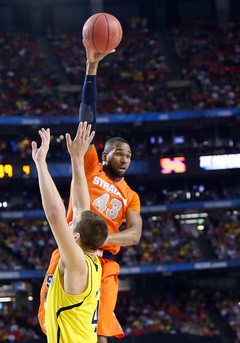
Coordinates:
91 67
77 159
41 161
77 155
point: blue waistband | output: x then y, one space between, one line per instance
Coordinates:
108 255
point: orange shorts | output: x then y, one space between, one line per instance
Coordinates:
108 324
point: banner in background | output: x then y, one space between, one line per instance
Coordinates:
123 118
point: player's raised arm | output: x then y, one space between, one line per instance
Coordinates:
77 150
87 111
71 253
51 199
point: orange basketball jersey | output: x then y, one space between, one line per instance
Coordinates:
111 199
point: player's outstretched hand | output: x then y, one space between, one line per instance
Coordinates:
81 142
94 56
39 154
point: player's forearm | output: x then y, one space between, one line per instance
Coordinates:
51 200
80 193
88 107
130 236
89 91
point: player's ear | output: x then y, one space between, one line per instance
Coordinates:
104 156
76 236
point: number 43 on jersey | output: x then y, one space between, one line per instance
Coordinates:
101 203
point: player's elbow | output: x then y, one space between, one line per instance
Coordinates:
136 238
53 213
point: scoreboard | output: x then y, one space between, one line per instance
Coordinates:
14 171
194 164
28 171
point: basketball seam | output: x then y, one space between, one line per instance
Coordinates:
93 32
107 31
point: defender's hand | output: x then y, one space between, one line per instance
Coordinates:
81 142
39 154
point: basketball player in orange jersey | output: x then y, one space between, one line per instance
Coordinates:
110 197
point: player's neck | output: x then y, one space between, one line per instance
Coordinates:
90 253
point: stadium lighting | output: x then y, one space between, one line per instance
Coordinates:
193 215
5 299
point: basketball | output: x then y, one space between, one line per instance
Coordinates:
102 32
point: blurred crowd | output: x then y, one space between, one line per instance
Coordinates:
21 325
173 313
209 55
26 81
229 308
7 260
163 241
185 314
141 316
225 235
29 243
18 148
168 239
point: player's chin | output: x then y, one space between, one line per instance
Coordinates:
121 173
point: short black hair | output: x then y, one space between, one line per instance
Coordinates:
93 230
110 142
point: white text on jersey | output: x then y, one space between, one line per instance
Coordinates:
109 188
